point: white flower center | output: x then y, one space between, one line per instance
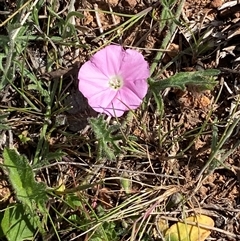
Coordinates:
115 82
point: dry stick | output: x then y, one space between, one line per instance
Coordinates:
98 18
10 136
4 12
105 167
15 13
128 23
227 70
112 14
148 32
71 8
114 21
120 210
156 201
145 35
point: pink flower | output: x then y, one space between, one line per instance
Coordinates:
114 80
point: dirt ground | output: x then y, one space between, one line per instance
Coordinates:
215 24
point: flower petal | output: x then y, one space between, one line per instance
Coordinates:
123 100
91 80
139 87
102 102
108 60
115 103
134 67
128 99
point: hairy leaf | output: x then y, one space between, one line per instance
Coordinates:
203 79
107 142
18 224
31 193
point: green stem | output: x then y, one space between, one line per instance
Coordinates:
168 37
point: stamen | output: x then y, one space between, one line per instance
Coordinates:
116 82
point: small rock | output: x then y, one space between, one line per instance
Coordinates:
131 3
216 3
113 3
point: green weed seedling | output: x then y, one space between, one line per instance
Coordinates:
20 221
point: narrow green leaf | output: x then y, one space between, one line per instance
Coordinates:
214 136
126 183
4 127
75 14
73 201
35 16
